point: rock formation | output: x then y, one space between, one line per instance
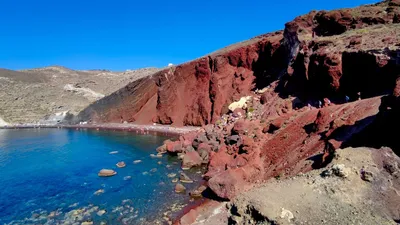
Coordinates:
329 80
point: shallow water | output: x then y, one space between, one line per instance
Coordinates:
50 176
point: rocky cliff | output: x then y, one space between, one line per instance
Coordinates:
321 54
329 81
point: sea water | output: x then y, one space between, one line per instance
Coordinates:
50 176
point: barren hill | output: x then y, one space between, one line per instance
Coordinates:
36 95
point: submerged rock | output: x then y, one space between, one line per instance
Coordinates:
106 173
113 152
121 164
101 212
127 177
137 161
99 192
185 178
179 188
171 175
87 223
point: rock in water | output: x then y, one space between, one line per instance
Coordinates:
106 173
137 161
99 192
121 164
87 223
198 192
113 152
191 159
179 188
101 212
185 178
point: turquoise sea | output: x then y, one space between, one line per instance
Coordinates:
50 176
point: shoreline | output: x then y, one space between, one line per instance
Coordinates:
163 130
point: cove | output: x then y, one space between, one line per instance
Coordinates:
49 176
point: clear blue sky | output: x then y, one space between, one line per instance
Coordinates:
130 34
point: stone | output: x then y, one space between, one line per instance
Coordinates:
340 170
241 104
121 164
198 192
191 159
367 175
99 192
174 147
231 140
113 152
286 214
171 175
101 212
87 223
162 149
137 161
179 188
185 178
204 154
106 173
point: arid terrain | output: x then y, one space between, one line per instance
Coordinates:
37 95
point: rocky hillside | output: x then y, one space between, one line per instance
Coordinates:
321 54
46 94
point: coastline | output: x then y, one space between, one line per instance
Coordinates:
163 130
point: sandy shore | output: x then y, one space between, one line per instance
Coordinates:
164 130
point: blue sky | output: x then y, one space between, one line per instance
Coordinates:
130 34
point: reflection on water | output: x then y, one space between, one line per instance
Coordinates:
50 176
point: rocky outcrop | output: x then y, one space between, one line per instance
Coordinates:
360 185
194 93
330 59
321 54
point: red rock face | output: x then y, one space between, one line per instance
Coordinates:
321 56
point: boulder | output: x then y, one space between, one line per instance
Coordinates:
106 173
241 104
201 138
121 164
179 188
233 139
241 127
204 151
162 149
191 159
197 193
174 147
